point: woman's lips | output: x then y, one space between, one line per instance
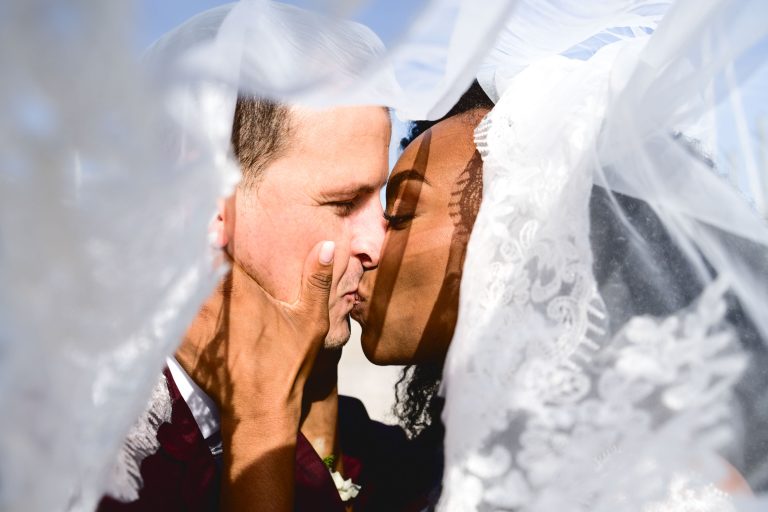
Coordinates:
358 309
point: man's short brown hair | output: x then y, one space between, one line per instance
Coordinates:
260 132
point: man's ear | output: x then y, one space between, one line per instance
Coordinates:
221 224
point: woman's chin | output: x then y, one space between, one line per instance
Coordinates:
378 351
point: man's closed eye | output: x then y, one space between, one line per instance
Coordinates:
343 208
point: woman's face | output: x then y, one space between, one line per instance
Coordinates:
408 306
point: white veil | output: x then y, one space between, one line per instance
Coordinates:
610 353
103 253
110 169
103 257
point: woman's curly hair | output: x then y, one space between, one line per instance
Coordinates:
417 405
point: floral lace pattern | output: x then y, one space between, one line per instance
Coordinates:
581 417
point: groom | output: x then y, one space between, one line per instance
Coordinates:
307 176
251 406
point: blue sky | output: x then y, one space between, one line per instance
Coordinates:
155 17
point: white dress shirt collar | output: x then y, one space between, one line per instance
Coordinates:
202 406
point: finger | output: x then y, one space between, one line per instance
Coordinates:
317 280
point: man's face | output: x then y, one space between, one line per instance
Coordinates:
325 187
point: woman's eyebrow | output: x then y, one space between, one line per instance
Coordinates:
408 174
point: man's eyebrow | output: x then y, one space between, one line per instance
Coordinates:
409 174
351 190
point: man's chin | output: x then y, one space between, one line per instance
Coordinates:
338 335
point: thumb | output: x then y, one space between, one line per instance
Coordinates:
317 279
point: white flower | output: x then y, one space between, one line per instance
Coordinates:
347 489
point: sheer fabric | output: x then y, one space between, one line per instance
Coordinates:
614 282
416 57
111 170
103 256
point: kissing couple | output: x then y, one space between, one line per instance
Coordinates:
524 265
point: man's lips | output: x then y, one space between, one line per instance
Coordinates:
353 296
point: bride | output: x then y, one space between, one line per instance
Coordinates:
604 354
408 305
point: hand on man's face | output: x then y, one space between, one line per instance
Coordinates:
252 353
325 186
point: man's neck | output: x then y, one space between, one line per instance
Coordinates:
320 411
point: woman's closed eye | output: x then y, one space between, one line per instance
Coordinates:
396 221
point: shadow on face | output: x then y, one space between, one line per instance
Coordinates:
408 306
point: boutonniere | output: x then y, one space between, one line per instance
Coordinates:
347 489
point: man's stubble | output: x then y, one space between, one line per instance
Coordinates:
340 330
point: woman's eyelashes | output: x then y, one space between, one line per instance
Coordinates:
398 221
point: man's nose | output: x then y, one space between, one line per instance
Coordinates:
368 235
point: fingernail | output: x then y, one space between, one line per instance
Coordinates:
326 252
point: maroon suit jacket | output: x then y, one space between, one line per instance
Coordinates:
184 474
